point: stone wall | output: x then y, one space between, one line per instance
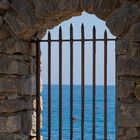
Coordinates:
24 20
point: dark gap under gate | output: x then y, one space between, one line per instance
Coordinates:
73 111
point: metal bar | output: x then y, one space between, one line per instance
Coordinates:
60 83
38 90
49 86
71 82
82 81
78 40
93 83
105 85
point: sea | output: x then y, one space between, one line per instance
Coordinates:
77 112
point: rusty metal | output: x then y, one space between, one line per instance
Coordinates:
49 86
38 90
71 82
82 40
78 40
93 83
105 85
60 83
82 81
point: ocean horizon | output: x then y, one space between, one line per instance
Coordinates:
77 112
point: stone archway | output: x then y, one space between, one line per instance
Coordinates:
22 21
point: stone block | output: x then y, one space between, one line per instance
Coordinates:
120 131
137 92
14 46
132 132
29 85
7 136
129 48
133 33
123 18
4 4
128 115
13 124
26 122
128 66
4 33
103 8
10 84
10 124
17 26
1 21
9 106
15 65
52 10
26 13
125 87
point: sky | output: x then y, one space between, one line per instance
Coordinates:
89 21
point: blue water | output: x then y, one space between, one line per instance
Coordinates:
77 115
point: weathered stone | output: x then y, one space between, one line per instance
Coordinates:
55 11
128 115
137 92
120 131
27 122
13 124
1 21
123 138
7 136
4 4
133 34
14 65
17 26
4 33
2 124
10 124
129 48
14 46
124 17
132 132
29 86
128 66
124 88
103 8
10 84
26 12
8 106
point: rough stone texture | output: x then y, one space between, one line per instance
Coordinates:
24 20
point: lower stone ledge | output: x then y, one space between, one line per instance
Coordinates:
6 136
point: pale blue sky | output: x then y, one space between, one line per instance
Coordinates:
89 21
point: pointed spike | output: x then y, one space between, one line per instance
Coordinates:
94 28
71 26
71 31
49 35
60 32
82 26
105 33
82 30
94 32
60 29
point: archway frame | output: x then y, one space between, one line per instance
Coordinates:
23 21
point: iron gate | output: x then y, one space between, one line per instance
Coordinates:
71 41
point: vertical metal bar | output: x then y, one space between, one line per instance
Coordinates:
38 90
60 83
93 83
105 85
71 82
49 86
82 81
